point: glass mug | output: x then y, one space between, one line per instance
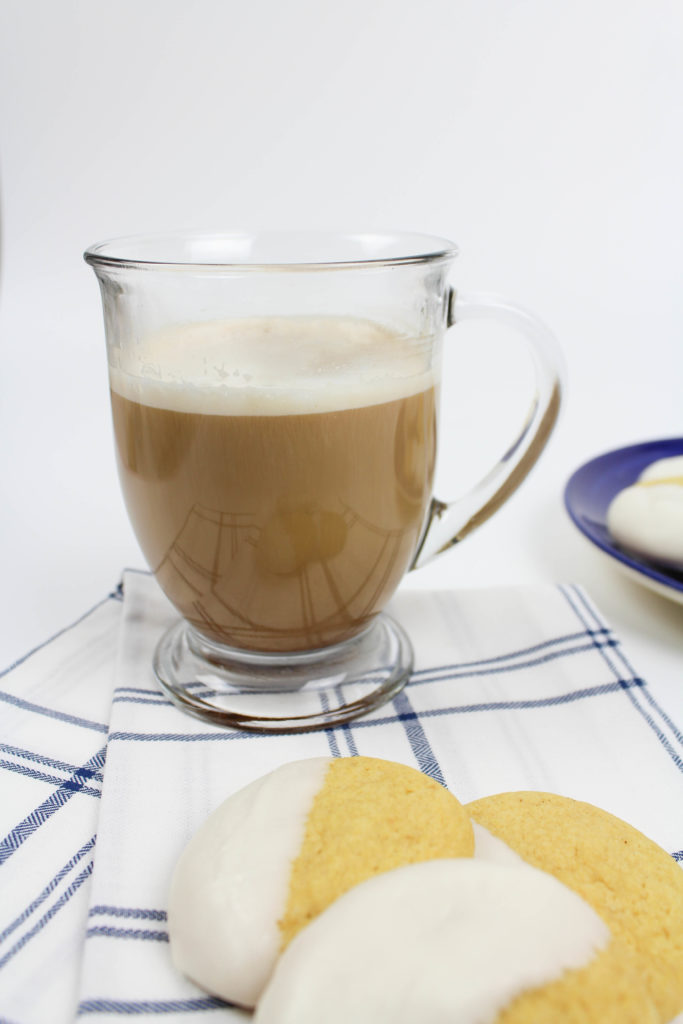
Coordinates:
275 406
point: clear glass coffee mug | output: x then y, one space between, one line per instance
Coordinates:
275 406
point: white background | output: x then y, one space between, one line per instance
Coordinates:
545 138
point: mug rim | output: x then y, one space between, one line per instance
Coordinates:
247 250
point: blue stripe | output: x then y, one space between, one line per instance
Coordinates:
678 855
332 740
509 705
534 649
138 695
51 762
152 702
329 732
347 732
137 689
345 729
109 932
61 716
678 761
624 660
25 828
53 780
665 718
417 738
184 737
131 912
151 1006
49 888
11 843
54 909
439 674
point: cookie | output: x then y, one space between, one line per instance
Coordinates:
456 940
635 886
647 517
274 855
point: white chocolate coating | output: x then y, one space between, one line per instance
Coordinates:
491 848
230 886
441 941
663 469
647 518
272 366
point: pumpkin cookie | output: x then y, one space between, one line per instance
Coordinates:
635 886
274 855
462 940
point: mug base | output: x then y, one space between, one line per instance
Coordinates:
283 693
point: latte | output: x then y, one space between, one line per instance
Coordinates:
277 472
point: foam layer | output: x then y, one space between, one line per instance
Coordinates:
446 940
272 366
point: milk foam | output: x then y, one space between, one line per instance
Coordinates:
272 366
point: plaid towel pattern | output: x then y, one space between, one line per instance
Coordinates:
54 714
514 688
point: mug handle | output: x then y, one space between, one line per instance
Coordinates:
450 522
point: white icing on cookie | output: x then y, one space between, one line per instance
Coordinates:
663 469
446 940
647 518
491 848
230 886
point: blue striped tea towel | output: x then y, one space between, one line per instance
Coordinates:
514 688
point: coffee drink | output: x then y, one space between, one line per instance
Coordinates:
277 471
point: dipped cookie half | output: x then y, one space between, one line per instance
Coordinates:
646 518
274 855
633 884
463 941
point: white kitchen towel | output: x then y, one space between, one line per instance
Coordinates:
514 688
54 714
519 688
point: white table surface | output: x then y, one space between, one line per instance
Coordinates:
544 139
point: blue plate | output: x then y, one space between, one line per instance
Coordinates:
589 492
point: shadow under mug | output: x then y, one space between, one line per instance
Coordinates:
275 407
